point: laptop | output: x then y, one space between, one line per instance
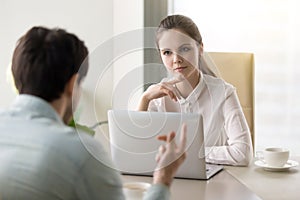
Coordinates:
133 142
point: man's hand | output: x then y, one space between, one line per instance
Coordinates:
170 156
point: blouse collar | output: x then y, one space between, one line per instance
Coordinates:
194 95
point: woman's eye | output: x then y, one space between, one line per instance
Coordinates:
185 49
166 53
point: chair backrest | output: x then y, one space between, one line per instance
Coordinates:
238 70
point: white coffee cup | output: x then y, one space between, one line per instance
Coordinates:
275 156
135 190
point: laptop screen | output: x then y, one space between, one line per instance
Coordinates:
134 145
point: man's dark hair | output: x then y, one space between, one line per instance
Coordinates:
45 60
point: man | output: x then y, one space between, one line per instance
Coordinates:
41 157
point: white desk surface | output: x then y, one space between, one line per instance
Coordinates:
237 183
270 185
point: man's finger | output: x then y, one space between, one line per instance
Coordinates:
161 151
171 140
162 137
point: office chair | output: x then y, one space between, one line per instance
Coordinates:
238 70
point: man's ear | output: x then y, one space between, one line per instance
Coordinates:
71 84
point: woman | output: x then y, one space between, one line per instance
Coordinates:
194 88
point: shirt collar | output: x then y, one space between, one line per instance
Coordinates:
194 95
36 107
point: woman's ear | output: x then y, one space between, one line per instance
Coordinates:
71 84
201 50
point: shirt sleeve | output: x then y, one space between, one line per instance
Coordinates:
238 149
152 106
99 182
97 178
157 192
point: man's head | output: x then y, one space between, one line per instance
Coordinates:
45 60
49 63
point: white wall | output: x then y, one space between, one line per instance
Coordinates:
90 20
98 23
128 31
111 62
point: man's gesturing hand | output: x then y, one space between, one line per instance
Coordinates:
170 156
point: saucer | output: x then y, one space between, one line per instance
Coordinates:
289 164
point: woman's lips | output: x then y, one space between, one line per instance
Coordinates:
179 69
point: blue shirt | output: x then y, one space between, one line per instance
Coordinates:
42 158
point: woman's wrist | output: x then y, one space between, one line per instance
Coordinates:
144 103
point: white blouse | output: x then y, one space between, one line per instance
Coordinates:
227 136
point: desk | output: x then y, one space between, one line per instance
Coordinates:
237 183
269 185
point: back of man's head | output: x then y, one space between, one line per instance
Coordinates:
45 60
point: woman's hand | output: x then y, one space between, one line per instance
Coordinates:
157 91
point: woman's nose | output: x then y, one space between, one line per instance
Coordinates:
177 58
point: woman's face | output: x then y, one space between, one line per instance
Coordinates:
179 52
